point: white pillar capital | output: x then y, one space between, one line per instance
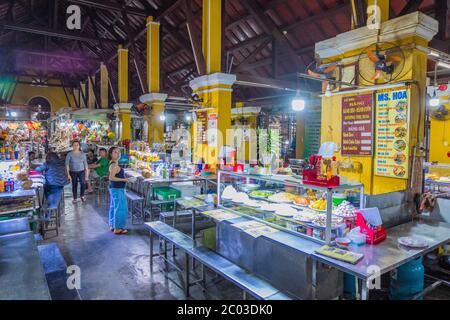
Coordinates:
221 80
123 107
153 98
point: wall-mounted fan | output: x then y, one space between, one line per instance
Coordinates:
439 113
381 63
324 72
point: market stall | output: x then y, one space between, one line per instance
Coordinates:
88 126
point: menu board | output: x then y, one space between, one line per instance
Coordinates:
392 133
212 129
313 123
201 126
357 125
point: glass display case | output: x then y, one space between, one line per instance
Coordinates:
317 213
437 179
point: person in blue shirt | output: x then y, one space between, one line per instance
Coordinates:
55 179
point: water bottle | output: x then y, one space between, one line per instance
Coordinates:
164 172
11 185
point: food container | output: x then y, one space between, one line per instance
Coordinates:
250 187
338 198
357 238
343 242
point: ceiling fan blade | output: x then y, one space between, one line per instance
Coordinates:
330 69
324 86
393 59
377 75
314 74
372 56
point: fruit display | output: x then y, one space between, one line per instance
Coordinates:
320 205
261 194
345 210
282 197
303 201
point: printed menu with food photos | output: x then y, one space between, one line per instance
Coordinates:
392 133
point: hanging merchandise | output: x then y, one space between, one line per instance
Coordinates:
86 131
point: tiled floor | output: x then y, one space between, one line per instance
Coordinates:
117 267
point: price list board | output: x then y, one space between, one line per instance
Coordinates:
313 123
392 133
202 118
357 125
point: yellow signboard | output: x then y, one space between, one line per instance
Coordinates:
392 133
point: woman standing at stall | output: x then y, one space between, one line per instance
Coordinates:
118 210
77 170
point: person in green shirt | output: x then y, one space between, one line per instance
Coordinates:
99 169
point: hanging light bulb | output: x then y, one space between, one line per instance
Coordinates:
298 103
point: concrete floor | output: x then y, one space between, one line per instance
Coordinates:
117 267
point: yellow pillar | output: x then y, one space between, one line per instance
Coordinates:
91 95
82 94
212 35
153 43
416 32
104 86
154 99
215 90
123 74
123 108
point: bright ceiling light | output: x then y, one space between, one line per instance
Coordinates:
434 102
188 117
162 117
13 114
298 103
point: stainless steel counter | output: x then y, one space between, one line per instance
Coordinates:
18 194
22 275
389 255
